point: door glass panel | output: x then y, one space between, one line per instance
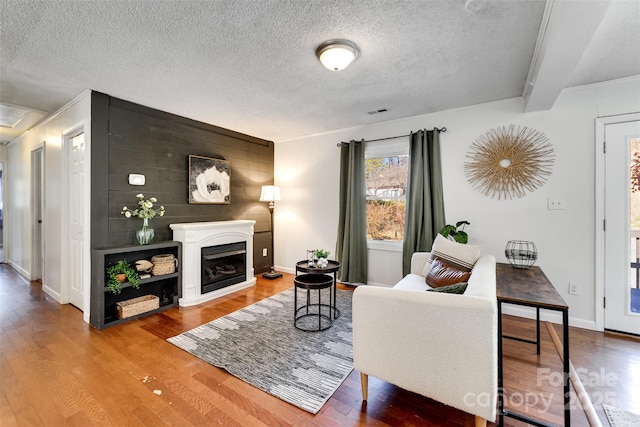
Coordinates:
634 226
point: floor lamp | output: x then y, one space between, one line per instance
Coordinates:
271 193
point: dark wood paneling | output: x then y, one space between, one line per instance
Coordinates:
260 241
99 169
130 138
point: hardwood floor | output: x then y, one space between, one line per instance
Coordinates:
56 370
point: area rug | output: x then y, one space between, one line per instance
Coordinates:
260 345
619 418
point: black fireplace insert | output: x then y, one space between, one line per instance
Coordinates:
223 265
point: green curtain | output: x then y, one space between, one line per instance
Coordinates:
424 212
351 246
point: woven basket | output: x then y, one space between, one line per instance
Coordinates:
163 264
134 306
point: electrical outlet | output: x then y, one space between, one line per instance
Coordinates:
555 204
573 289
264 251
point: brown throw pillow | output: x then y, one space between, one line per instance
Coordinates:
444 274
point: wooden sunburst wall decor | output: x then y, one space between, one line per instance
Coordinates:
506 162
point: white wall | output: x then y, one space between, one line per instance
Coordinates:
4 153
307 169
18 218
20 221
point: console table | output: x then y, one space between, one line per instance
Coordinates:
530 288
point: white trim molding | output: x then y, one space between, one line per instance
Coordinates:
600 124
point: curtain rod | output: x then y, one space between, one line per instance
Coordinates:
441 130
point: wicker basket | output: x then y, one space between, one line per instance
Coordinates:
134 306
163 264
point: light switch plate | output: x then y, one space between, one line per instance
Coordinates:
555 204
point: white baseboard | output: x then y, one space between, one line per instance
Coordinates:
47 290
20 270
285 269
547 315
53 294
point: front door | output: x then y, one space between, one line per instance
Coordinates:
622 227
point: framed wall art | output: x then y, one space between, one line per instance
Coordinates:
209 180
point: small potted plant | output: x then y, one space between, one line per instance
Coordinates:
452 232
118 273
322 256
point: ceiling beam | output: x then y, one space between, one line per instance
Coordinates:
566 31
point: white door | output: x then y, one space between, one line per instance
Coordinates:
37 202
77 263
622 227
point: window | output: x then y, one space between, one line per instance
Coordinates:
386 168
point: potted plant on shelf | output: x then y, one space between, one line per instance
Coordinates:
452 232
118 273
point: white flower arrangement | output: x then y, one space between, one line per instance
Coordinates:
146 210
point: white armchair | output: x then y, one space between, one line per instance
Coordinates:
439 345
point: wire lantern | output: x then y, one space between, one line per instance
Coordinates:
506 162
521 253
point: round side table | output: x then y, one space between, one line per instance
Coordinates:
313 282
332 268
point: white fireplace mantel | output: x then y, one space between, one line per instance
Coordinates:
197 235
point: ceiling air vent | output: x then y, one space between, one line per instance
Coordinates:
15 120
10 116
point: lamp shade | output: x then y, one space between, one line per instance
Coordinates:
336 55
270 193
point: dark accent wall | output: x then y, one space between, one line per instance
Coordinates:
129 138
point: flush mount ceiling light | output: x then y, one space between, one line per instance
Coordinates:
473 6
336 55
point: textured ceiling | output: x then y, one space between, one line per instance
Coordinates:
249 65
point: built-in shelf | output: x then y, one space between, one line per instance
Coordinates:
166 287
112 321
145 281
